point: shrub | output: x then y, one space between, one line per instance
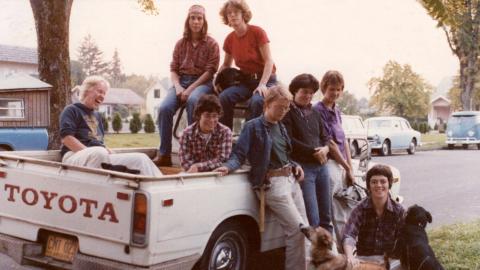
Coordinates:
149 125
117 122
105 122
136 123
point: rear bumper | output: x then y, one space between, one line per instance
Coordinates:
26 252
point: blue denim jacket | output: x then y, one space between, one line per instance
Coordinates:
255 144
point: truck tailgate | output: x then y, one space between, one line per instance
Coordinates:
71 201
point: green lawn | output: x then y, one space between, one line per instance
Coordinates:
433 141
457 246
127 140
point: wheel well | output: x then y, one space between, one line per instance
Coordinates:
5 147
387 140
414 141
250 226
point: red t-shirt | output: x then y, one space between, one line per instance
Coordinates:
245 50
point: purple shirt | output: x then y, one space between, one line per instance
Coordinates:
373 235
332 122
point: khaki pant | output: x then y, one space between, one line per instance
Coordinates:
340 211
94 156
285 200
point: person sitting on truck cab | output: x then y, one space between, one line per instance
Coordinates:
265 143
205 144
82 133
374 224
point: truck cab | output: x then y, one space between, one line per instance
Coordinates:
463 128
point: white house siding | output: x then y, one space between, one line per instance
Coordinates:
8 68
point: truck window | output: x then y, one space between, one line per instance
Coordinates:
12 108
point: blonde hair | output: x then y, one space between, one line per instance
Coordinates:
90 82
238 4
277 92
331 77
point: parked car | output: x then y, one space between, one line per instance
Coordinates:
391 133
356 133
463 128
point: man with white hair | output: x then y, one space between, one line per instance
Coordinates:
81 130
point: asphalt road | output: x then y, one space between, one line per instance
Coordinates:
445 182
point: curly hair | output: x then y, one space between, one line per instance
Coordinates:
238 4
303 81
90 82
207 103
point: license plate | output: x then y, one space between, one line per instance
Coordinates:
61 248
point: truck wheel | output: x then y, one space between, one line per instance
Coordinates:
385 150
227 248
478 146
4 148
451 146
465 146
411 147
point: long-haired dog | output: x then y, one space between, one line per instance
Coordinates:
226 78
322 256
412 244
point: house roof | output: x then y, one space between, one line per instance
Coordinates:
440 97
17 54
123 96
21 81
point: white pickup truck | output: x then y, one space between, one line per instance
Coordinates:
70 217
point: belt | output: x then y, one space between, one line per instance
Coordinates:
253 76
285 171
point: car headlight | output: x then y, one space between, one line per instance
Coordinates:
449 133
471 133
376 138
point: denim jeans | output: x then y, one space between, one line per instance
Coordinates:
170 105
240 93
316 194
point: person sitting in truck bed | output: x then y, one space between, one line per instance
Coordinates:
265 143
81 130
206 143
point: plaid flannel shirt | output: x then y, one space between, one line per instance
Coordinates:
207 155
370 234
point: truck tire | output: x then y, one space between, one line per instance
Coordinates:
385 150
451 146
412 147
227 248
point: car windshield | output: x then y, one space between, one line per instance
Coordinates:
464 120
379 124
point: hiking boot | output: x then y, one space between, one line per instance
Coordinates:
163 160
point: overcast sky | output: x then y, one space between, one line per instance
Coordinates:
356 37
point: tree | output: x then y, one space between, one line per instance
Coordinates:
51 23
400 92
91 57
138 83
117 123
115 73
149 125
460 20
454 94
52 18
136 123
348 103
105 122
76 73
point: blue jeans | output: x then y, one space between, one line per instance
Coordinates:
316 194
170 105
240 93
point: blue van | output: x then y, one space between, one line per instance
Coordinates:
463 128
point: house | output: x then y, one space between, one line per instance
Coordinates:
154 96
114 97
16 59
440 111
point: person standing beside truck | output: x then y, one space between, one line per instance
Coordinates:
195 60
339 164
205 144
310 148
81 130
249 46
264 142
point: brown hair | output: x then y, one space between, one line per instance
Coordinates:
207 103
238 4
303 81
187 32
276 92
380 169
331 77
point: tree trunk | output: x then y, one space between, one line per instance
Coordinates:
52 24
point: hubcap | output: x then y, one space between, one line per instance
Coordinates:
385 149
227 254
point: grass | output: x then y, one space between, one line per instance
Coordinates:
457 246
433 141
127 140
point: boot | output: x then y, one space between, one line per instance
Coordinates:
162 160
